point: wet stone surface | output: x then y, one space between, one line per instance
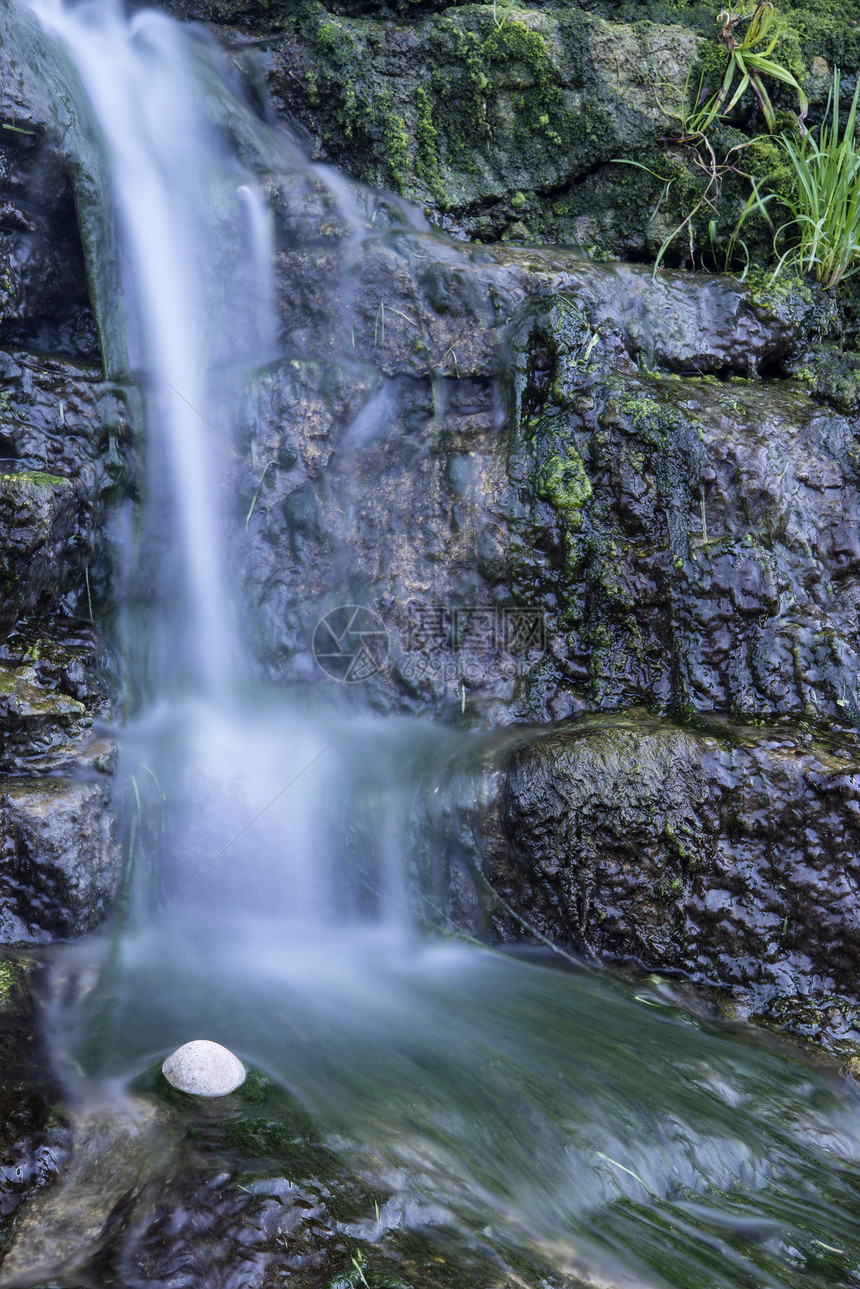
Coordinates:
44 302
163 1191
34 1141
402 463
723 852
692 541
61 430
60 866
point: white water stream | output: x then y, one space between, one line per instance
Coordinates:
528 1109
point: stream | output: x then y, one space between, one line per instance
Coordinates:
515 1117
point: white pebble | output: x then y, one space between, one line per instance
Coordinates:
204 1069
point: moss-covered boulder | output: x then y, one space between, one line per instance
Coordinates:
500 128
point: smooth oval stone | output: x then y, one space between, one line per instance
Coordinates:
204 1069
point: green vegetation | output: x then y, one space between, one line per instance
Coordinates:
825 204
749 60
747 64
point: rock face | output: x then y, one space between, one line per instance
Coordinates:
564 488
480 119
723 852
33 1139
60 426
508 121
696 538
506 454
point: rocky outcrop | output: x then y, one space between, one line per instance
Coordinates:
725 853
554 482
108 1153
502 127
60 427
33 1139
519 121
561 488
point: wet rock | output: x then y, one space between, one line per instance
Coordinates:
493 126
53 690
38 512
60 861
413 304
110 1151
204 1069
695 564
62 417
61 432
33 1139
725 853
43 291
396 461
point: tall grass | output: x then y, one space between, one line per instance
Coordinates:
824 207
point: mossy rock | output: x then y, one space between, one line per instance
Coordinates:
493 125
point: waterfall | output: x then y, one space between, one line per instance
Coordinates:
581 1121
195 250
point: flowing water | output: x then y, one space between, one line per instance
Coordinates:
279 892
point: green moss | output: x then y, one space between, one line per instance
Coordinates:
15 974
427 154
333 41
396 143
35 479
833 375
515 43
563 482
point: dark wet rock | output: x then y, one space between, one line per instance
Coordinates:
695 538
38 512
52 689
210 1227
44 301
411 303
62 430
250 1194
239 1191
33 1139
61 416
551 428
725 853
61 434
407 550
60 865
60 858
110 1149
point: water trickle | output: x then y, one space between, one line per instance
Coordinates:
274 852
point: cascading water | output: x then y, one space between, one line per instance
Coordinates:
541 1114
